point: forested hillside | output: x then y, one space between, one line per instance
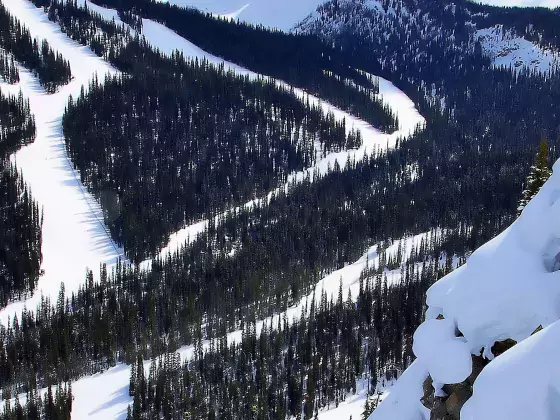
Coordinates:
171 140
51 68
241 139
300 60
20 216
183 140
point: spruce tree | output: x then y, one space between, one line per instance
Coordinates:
367 409
537 176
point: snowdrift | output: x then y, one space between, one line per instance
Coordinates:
507 290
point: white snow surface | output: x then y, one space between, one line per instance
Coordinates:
533 361
283 15
74 236
522 3
508 50
507 289
403 401
446 356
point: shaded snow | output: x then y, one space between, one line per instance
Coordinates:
508 50
403 401
74 236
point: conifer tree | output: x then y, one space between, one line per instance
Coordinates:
367 409
537 176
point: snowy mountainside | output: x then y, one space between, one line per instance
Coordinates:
508 290
275 14
508 50
114 398
412 27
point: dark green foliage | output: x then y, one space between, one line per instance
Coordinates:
462 173
50 67
538 175
8 69
20 216
314 362
301 60
184 139
20 237
56 405
17 125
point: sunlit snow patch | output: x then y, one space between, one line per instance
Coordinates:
508 50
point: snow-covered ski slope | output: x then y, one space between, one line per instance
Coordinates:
283 14
373 139
508 288
74 236
105 396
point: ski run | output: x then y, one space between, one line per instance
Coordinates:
74 235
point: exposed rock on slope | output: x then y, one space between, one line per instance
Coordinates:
501 296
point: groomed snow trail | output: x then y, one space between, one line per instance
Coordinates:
104 396
74 236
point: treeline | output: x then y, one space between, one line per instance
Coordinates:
50 67
115 320
300 60
20 216
538 24
17 124
462 173
54 405
182 139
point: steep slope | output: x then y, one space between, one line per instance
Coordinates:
275 14
507 290
74 236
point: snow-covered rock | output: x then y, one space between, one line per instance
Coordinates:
522 383
506 290
446 356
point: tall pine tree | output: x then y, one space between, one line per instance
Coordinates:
537 176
